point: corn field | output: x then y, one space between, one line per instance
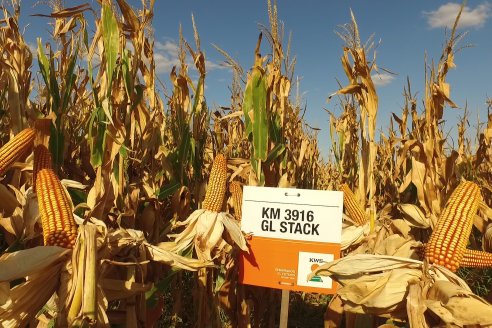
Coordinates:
121 206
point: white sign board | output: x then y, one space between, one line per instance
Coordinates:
295 214
293 232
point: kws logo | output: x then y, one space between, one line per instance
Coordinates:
316 262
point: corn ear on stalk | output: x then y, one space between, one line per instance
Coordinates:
353 207
15 148
476 259
214 198
42 160
59 227
236 191
449 239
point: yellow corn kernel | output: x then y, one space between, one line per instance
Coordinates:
214 198
16 148
449 239
353 207
476 259
42 160
59 227
236 190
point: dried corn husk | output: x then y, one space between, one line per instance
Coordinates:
41 266
205 229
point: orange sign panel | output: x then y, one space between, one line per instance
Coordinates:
294 231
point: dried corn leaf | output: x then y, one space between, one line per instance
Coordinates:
438 273
360 264
27 262
159 255
381 292
120 240
414 216
401 226
42 267
353 235
396 245
416 305
458 306
8 201
120 289
30 214
487 239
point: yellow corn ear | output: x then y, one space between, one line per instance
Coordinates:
476 259
42 160
59 227
354 210
449 239
236 190
214 197
14 149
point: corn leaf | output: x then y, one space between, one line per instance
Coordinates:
111 41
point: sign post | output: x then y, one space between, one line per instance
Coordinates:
293 232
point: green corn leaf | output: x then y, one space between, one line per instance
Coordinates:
138 98
276 129
110 40
43 64
248 106
198 95
125 68
123 151
260 122
168 190
54 89
69 80
184 149
57 142
97 150
277 151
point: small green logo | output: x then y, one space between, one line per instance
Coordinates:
316 279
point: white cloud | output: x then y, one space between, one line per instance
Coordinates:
382 79
210 65
446 14
166 55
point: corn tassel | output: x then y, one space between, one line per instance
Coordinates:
16 148
449 239
59 227
236 191
353 207
214 198
42 160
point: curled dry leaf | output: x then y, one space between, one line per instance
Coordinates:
457 306
41 267
8 201
415 305
487 239
396 245
372 283
205 230
414 216
401 226
380 285
360 264
379 293
122 240
353 235
180 202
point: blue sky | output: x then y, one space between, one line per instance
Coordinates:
407 30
